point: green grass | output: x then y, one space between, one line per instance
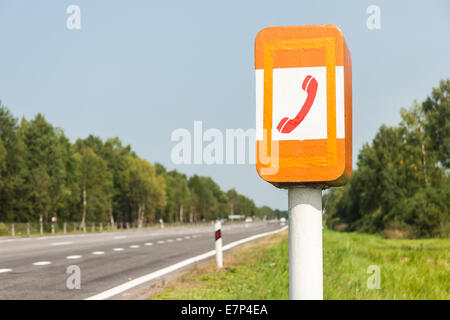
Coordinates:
410 269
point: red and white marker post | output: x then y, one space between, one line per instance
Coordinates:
218 242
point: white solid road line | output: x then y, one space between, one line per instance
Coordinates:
5 270
138 281
98 252
118 249
41 263
119 237
73 257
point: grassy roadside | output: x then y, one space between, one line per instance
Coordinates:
410 269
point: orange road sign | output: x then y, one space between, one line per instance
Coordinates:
303 105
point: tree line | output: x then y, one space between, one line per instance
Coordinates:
44 175
401 185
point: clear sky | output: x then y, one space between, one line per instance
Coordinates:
141 69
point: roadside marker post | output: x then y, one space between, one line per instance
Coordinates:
218 243
28 229
41 226
304 134
65 227
13 231
53 225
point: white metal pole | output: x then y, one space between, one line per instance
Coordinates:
305 243
218 242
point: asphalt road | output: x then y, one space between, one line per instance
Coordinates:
35 268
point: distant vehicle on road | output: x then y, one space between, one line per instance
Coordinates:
248 219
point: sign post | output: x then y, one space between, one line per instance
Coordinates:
304 133
305 243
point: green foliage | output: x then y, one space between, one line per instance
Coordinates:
143 190
94 182
424 215
437 111
4 230
402 180
208 200
2 163
42 174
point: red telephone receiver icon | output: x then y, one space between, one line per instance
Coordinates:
309 85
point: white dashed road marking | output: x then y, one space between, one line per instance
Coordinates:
119 237
160 241
148 244
41 263
98 252
5 270
170 240
179 239
73 257
134 246
118 249
187 237
61 243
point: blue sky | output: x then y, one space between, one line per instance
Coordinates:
141 69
